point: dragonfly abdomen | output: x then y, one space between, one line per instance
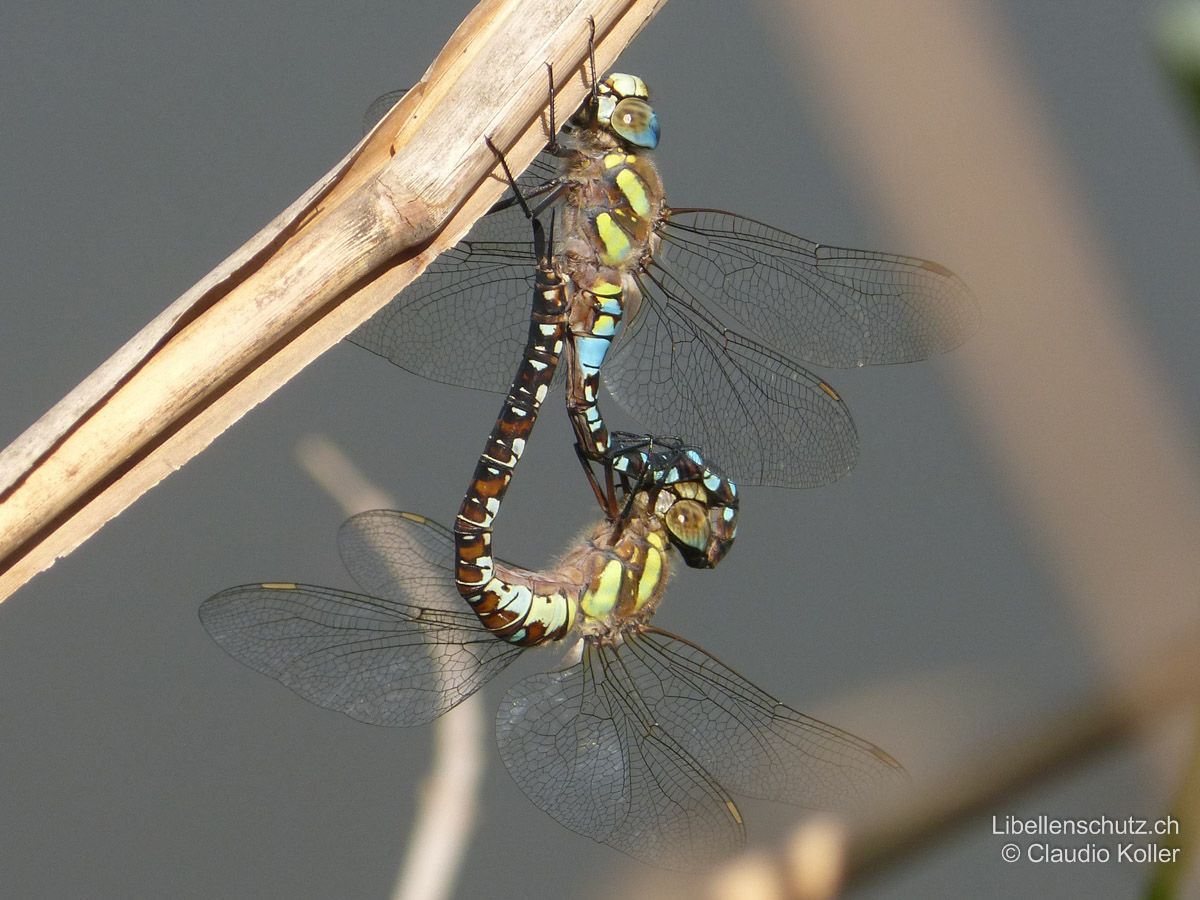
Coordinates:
511 609
600 309
610 210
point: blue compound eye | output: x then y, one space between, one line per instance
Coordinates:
634 121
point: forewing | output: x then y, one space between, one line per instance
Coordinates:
375 660
762 418
380 107
401 657
579 744
747 739
830 306
465 320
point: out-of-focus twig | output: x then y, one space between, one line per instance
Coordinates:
335 474
447 808
931 111
935 118
1057 745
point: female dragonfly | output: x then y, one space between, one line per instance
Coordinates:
639 743
684 282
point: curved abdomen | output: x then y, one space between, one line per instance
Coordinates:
513 610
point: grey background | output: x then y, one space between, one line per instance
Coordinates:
141 143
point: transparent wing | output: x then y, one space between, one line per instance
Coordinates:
764 419
379 108
376 659
677 367
830 306
585 749
747 739
402 556
465 320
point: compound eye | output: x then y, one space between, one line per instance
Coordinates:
687 522
634 121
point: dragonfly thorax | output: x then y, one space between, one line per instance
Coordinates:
613 202
625 568
624 564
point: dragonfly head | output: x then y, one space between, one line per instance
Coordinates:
622 106
700 515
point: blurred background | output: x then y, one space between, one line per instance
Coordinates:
929 601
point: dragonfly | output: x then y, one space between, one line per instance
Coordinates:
640 741
522 610
637 742
708 313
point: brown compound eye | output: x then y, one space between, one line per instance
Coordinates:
688 523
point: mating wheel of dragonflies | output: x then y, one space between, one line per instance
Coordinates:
639 741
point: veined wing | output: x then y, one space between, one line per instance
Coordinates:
465 320
377 659
829 306
402 556
380 106
765 419
585 749
751 742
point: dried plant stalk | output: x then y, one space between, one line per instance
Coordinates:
408 191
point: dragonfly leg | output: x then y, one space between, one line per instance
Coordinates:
603 497
517 197
592 56
552 144
646 458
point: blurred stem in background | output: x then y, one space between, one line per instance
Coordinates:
1177 44
449 797
1169 878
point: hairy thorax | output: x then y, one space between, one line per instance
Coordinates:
612 205
623 570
